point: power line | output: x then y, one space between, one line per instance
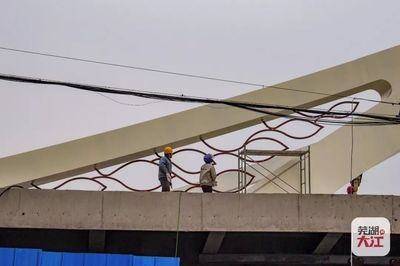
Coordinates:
130 66
328 121
181 98
338 96
256 107
351 151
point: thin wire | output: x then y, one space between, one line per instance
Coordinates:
128 104
189 75
276 176
270 180
351 153
129 66
178 224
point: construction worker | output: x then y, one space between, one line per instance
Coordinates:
165 170
354 184
207 174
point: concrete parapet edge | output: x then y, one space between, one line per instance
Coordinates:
196 212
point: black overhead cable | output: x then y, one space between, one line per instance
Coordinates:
256 107
338 96
326 120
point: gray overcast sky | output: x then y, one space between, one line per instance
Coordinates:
257 41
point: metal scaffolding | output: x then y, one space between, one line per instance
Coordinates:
304 168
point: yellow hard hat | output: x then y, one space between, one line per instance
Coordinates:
168 150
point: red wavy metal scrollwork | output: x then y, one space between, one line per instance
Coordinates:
306 118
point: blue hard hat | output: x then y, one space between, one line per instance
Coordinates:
208 158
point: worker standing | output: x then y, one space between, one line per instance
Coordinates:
165 170
207 174
356 182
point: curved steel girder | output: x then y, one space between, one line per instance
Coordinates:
139 140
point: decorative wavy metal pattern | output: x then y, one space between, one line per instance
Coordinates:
219 152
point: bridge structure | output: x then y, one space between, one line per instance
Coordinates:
259 227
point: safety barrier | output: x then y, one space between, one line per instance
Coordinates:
37 257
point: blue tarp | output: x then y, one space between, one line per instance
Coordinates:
37 257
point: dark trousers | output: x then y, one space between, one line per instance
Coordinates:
207 189
165 186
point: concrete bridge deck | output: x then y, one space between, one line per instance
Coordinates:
202 229
192 212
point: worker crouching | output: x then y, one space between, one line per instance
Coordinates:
207 174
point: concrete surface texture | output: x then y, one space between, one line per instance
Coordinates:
22 208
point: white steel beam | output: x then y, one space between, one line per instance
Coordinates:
377 72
